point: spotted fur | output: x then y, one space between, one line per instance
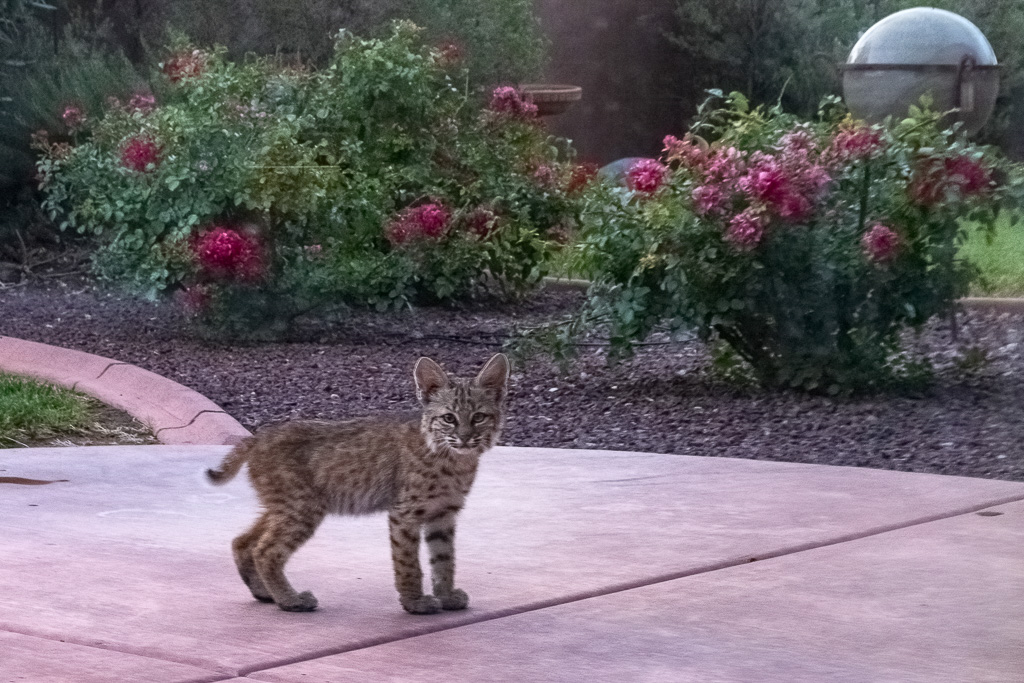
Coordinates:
419 470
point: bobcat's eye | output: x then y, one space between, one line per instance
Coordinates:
479 417
449 418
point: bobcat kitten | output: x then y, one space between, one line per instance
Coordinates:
419 470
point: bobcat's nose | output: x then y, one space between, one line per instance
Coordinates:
463 438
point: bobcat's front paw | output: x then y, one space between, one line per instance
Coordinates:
257 589
457 599
302 602
424 604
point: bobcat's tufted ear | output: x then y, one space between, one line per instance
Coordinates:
494 376
429 378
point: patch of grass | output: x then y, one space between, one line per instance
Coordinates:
34 413
1001 260
32 409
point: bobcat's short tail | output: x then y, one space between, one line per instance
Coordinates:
232 462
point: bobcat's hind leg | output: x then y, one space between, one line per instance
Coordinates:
242 547
285 530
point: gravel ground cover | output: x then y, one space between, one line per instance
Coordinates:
969 422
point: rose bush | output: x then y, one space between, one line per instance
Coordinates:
803 247
259 192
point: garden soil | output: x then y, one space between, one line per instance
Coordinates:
969 421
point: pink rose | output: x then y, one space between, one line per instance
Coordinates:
646 176
224 250
746 229
880 243
854 144
139 153
426 221
509 101
73 117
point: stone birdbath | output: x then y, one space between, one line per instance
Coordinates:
551 99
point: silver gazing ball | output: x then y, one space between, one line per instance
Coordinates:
919 51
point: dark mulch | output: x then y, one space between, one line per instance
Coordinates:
970 422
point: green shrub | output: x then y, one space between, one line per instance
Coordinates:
259 192
806 247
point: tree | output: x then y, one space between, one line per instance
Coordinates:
768 49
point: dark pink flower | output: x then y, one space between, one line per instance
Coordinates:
795 207
227 251
143 102
73 117
508 101
718 173
725 165
746 229
581 176
646 176
545 177
672 146
812 180
710 199
788 184
139 153
689 152
448 54
185 65
855 143
926 190
880 243
432 219
798 141
968 175
426 221
399 231
950 178
766 182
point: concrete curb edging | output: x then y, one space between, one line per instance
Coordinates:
176 414
994 304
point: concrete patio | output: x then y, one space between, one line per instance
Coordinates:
580 566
